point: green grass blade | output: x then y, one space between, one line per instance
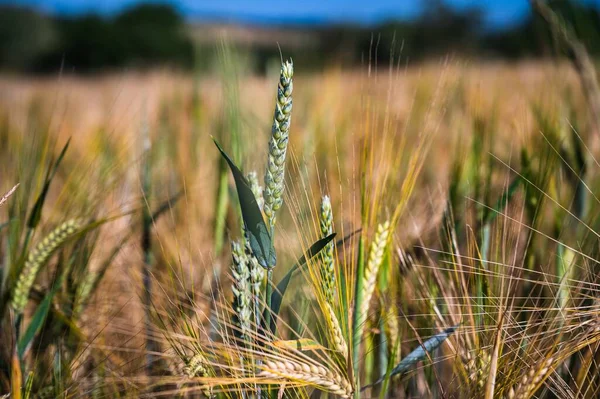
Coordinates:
277 295
36 212
28 385
37 321
358 299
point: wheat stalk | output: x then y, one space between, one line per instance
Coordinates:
328 270
37 258
274 175
309 374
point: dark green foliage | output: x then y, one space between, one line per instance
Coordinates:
256 229
151 34
20 45
141 36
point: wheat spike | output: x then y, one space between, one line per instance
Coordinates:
392 327
309 374
335 331
530 381
257 190
257 275
477 367
84 289
196 366
241 290
37 258
257 272
328 270
376 254
274 175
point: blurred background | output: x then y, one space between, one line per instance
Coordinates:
43 36
449 98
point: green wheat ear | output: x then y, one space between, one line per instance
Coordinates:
242 296
257 190
274 176
84 291
328 270
38 258
197 366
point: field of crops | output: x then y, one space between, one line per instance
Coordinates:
399 232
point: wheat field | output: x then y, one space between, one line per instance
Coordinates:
462 196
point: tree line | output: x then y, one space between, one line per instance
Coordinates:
148 35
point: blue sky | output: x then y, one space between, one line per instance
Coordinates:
497 12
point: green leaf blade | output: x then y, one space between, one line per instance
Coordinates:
256 228
277 296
